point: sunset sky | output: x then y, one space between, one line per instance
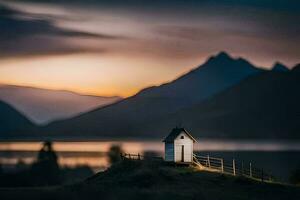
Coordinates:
117 47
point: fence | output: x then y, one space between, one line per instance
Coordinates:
231 167
139 157
219 165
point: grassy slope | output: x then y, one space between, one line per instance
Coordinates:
153 180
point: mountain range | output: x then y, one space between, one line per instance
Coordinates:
224 97
205 100
216 74
262 106
43 106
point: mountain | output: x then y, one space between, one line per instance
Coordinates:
262 106
218 73
42 105
278 67
122 118
13 123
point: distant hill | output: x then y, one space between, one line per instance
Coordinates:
214 76
43 106
262 106
13 123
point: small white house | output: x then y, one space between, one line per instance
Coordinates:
179 146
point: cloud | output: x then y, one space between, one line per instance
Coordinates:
24 34
262 35
263 30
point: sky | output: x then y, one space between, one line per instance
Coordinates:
117 47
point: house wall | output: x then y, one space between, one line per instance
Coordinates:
169 151
188 148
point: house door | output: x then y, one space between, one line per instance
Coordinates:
182 153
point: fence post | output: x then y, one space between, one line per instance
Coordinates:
208 161
139 158
222 165
250 170
233 165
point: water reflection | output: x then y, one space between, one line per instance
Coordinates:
134 147
93 153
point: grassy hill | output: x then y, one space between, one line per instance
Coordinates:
156 180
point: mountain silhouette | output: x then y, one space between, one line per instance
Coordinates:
44 105
217 74
262 106
13 123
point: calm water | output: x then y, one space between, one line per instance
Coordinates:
279 157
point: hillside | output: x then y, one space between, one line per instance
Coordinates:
13 123
217 74
43 106
156 180
263 106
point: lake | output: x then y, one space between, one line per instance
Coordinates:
278 157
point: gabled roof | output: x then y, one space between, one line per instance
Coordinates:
174 134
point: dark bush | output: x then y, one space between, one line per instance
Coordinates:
114 154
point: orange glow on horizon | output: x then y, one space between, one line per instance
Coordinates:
105 92
90 74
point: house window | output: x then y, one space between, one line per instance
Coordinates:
182 137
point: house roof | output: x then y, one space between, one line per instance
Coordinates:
174 134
